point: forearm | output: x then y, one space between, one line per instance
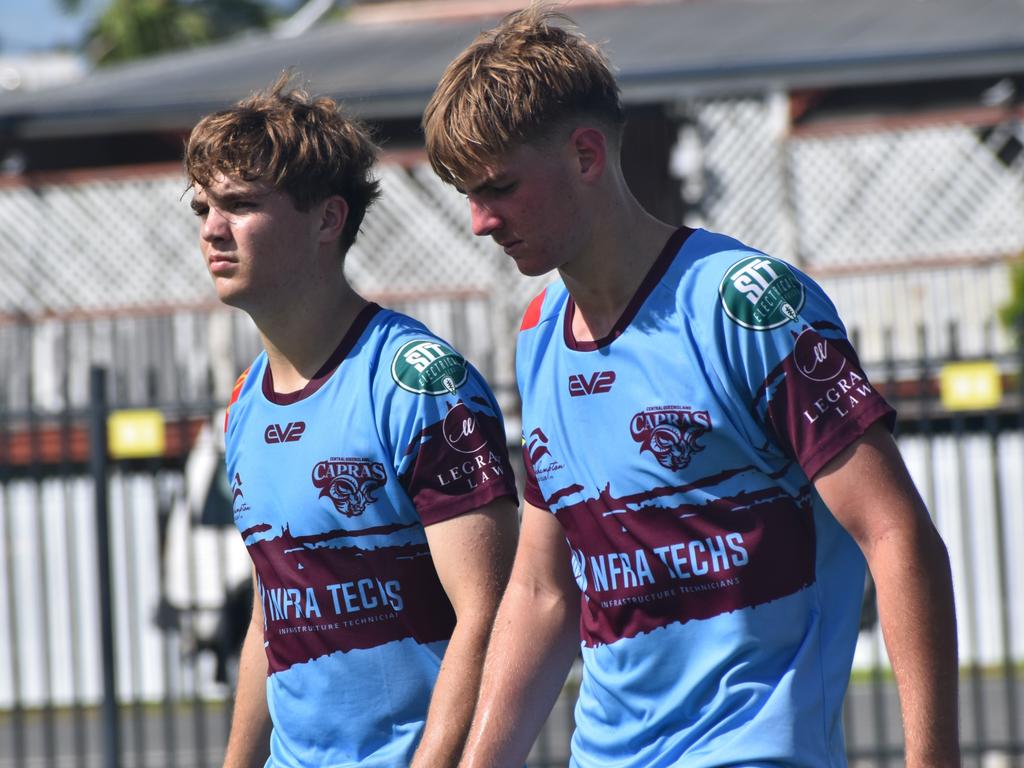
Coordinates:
915 602
870 492
454 696
248 743
535 640
473 556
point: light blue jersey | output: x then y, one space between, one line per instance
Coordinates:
333 486
720 597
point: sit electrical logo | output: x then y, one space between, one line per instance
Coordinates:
428 367
761 293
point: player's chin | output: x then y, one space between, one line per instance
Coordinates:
532 267
229 293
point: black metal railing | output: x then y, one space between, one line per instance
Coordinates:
126 675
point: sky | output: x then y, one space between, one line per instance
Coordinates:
28 26
38 25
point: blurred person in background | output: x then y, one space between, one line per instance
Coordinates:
367 458
708 467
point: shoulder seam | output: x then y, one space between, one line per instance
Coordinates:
235 392
531 317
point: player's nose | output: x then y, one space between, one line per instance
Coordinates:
215 226
483 219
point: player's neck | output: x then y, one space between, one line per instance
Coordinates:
604 279
300 340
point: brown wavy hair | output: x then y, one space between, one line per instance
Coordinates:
517 83
299 144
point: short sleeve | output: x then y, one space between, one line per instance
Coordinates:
531 488
446 432
779 343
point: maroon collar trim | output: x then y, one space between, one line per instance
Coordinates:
366 314
653 277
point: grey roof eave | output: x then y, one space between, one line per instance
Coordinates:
663 51
638 88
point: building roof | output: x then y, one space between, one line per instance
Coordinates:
30 72
385 66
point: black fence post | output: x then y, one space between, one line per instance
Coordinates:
99 469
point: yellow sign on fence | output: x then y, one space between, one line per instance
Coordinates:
970 386
136 434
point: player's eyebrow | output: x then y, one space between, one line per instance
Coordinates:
229 196
490 182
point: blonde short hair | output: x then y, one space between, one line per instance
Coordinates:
516 83
299 144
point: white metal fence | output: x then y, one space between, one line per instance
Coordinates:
909 231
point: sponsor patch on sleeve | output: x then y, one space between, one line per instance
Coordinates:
761 293
428 367
820 399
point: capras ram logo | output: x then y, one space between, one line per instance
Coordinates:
286 433
670 433
349 483
596 383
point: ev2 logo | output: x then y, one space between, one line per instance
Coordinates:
597 383
289 433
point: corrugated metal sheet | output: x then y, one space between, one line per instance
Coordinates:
663 51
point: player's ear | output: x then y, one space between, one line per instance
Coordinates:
590 150
333 218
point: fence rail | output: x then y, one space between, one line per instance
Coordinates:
176 562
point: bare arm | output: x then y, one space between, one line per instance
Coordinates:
249 742
473 555
870 492
535 640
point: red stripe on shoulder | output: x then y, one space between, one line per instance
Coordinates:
235 392
532 315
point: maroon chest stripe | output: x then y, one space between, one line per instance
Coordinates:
319 600
649 566
561 493
258 528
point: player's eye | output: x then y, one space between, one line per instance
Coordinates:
244 206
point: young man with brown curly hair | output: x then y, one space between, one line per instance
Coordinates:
708 467
370 478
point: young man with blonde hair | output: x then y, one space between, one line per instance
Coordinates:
708 466
370 479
